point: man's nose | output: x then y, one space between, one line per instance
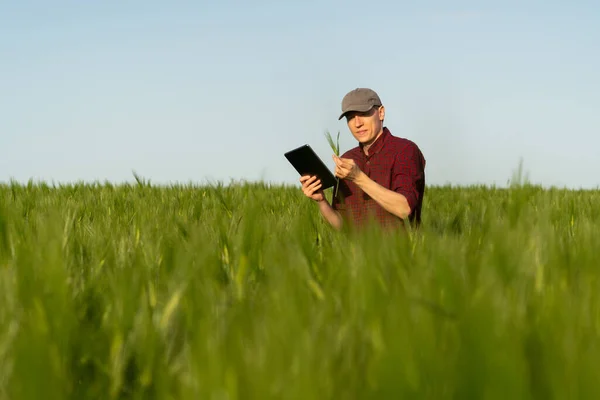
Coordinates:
357 121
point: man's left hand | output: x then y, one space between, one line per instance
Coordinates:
346 168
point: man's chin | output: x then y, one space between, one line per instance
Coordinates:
362 138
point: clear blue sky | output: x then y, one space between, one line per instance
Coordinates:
186 91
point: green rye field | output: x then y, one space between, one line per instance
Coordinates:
241 291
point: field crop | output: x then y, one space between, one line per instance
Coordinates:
242 292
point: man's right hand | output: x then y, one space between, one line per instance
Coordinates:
311 187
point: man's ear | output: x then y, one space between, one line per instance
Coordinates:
381 112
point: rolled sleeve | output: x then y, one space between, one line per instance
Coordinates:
408 174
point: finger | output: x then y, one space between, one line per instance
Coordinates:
311 181
310 192
345 162
307 179
304 180
315 185
341 165
342 168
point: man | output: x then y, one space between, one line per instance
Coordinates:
381 179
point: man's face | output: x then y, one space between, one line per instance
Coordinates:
366 126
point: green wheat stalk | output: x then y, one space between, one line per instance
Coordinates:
335 146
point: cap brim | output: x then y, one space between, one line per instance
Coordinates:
356 109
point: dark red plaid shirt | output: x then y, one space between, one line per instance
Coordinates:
396 164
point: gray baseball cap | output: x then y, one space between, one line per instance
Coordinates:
360 100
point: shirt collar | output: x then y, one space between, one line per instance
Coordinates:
377 144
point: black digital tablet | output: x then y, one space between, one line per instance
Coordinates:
307 162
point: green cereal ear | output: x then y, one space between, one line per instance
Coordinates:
336 150
334 147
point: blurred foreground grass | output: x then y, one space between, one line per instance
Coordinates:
242 292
